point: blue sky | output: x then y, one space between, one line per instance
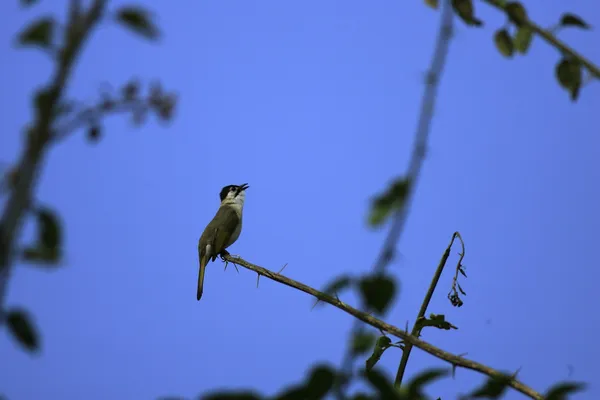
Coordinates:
314 104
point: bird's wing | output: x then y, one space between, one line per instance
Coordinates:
223 224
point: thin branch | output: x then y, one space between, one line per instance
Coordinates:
416 330
32 157
551 39
418 152
385 327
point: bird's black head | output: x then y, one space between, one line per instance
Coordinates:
234 189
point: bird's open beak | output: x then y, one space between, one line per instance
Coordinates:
244 187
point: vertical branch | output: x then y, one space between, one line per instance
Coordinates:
416 330
30 162
418 153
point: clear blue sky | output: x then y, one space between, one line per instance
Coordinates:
315 105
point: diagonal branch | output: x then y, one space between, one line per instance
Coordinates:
383 326
551 39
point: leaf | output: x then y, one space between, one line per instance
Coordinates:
569 19
50 234
320 382
516 13
504 43
382 344
339 284
392 199
362 342
436 321
40 33
42 256
460 289
377 292
569 75
561 390
138 20
493 388
416 385
22 329
28 3
435 4
464 9
522 39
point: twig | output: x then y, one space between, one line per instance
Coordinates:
418 152
551 39
416 330
385 327
32 157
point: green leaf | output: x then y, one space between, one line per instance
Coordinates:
392 199
493 388
138 20
415 387
28 3
320 382
362 342
339 284
22 329
40 33
569 75
573 20
436 321
383 343
464 9
561 390
522 39
377 292
504 43
435 4
516 13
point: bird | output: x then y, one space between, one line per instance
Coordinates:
223 230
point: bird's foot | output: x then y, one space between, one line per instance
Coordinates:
223 254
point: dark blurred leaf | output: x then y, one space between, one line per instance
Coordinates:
94 133
522 39
416 386
39 33
28 3
569 75
362 396
22 329
464 9
377 292
392 199
382 384
42 256
435 4
493 388
138 20
504 43
460 289
339 284
320 382
293 393
41 100
362 342
561 390
516 12
241 395
437 321
49 229
573 20
382 344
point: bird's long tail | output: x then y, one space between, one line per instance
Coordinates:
203 259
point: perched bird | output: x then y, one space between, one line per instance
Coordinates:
223 230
